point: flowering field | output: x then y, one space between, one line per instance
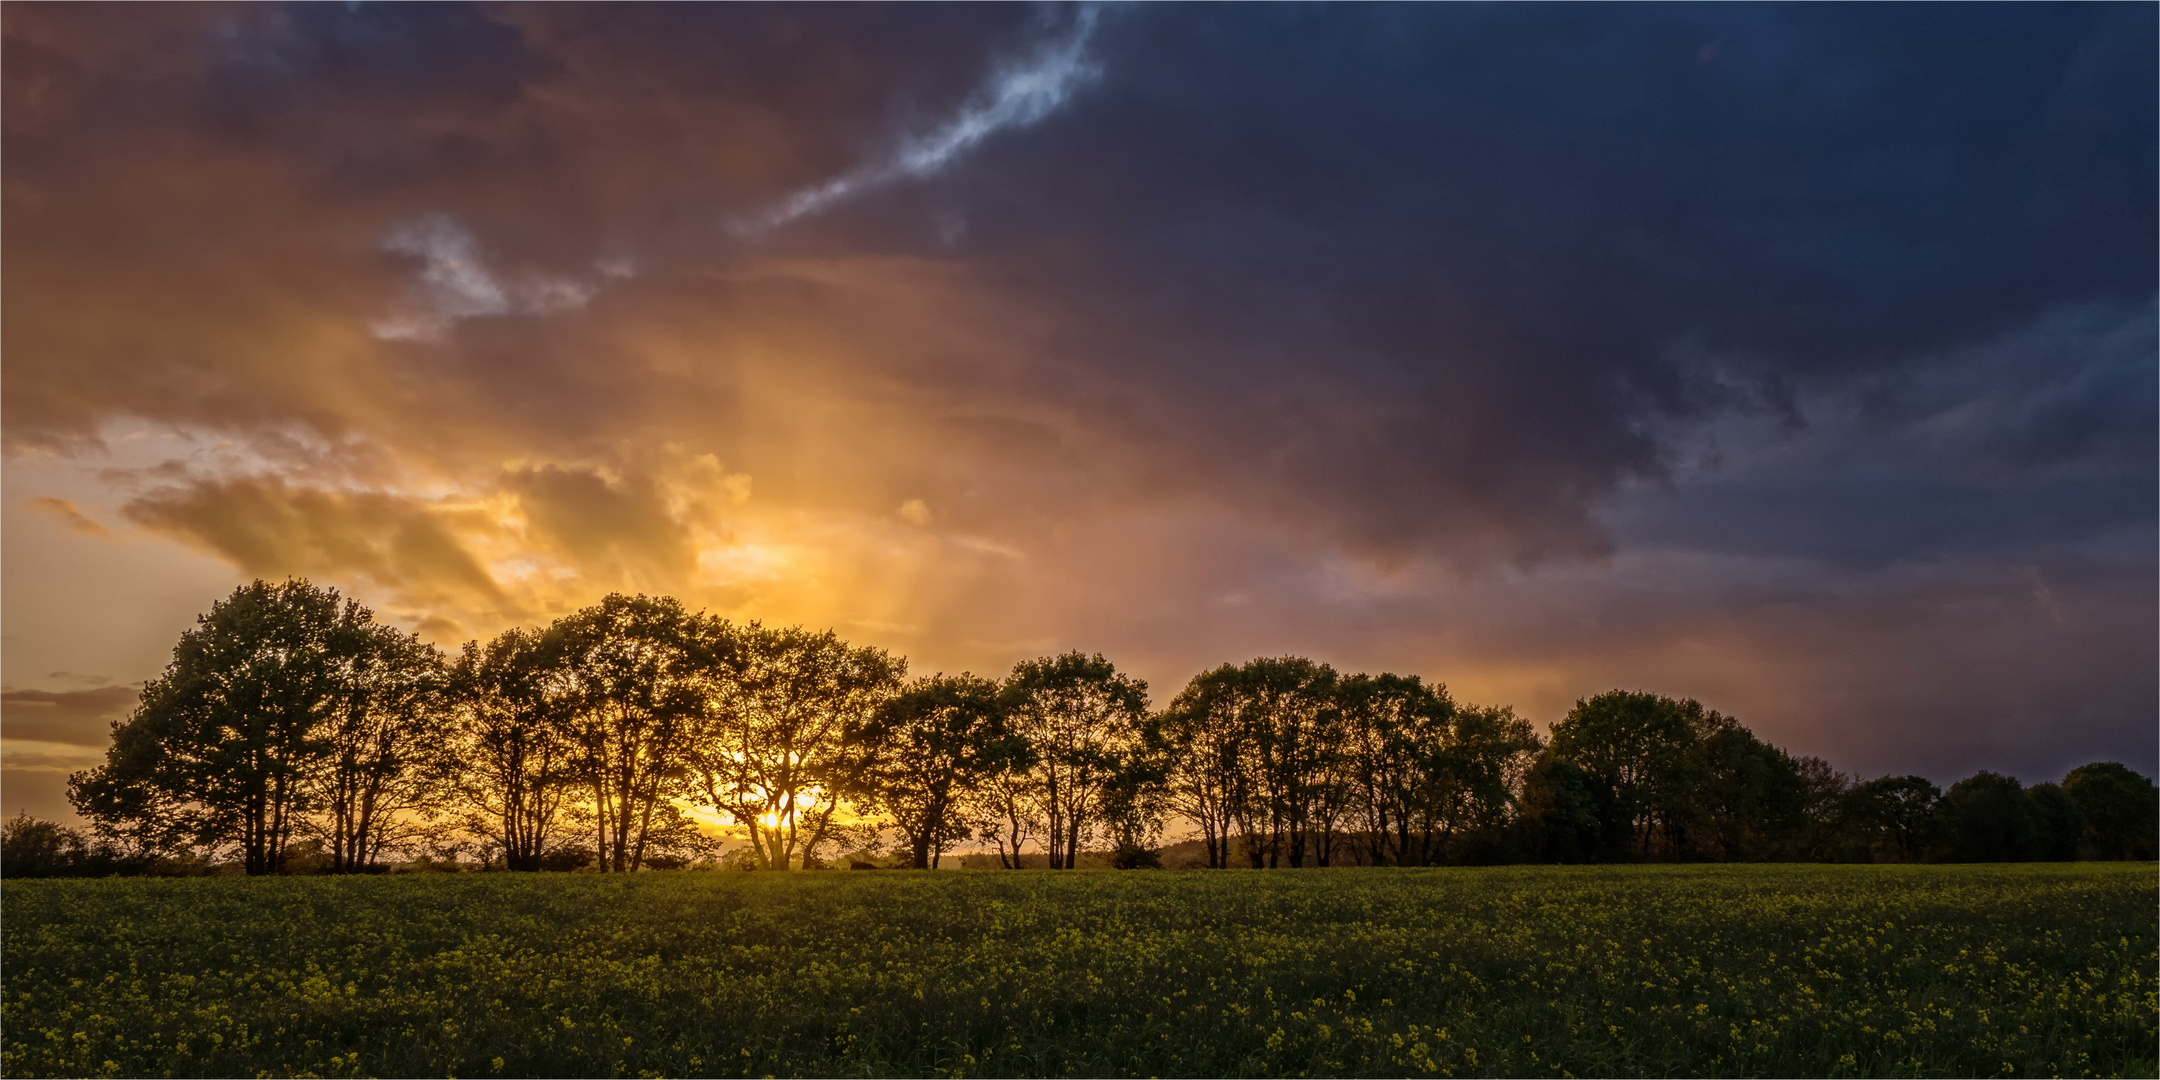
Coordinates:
1781 970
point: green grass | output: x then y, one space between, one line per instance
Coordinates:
1595 971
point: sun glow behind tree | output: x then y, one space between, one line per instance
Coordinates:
295 733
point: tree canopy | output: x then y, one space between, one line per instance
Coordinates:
293 731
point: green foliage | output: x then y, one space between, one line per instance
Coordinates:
1987 818
2058 824
1592 971
2121 810
1896 816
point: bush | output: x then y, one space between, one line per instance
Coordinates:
1135 857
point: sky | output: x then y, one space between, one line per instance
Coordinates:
1797 359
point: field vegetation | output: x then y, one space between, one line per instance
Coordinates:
1764 970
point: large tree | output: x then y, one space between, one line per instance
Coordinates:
1287 708
1394 730
1750 799
774 754
1204 741
1895 816
1084 721
635 670
1986 817
224 744
1482 766
1635 746
1426 778
2121 810
1004 804
928 746
384 765
515 765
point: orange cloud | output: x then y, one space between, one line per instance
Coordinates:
70 516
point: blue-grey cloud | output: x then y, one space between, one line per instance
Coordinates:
1016 95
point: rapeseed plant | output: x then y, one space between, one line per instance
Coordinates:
1612 971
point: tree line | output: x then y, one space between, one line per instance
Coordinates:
292 732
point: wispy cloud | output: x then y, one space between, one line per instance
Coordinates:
455 282
70 515
1016 96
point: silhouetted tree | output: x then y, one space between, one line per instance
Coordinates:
383 767
1083 720
1005 803
1136 805
513 763
223 745
1287 707
1635 747
1567 813
1987 818
634 672
2121 810
1895 816
1826 804
774 755
2058 825
1750 798
1205 744
34 847
1393 728
929 745
1482 763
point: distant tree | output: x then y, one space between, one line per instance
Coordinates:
2058 824
1987 818
2121 810
382 771
1205 747
514 764
930 744
1896 816
634 670
222 748
33 847
1826 793
1136 806
1083 720
774 755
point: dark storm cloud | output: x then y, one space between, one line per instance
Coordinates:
1439 271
